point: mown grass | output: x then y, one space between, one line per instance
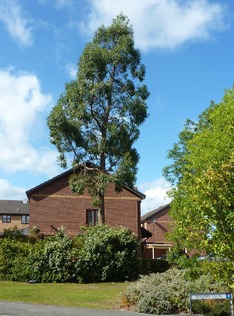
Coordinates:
99 296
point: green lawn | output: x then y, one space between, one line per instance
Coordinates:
99 296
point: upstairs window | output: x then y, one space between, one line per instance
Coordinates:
91 217
6 218
25 219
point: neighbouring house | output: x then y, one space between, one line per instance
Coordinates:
157 222
14 213
53 204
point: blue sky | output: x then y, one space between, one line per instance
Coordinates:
186 46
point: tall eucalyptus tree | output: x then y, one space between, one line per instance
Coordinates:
96 120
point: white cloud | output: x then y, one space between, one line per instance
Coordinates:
58 4
16 24
156 194
161 24
22 105
63 3
71 69
8 192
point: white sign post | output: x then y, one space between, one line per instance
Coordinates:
211 296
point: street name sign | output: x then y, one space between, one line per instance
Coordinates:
211 296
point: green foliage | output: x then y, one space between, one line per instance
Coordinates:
35 234
222 271
148 266
101 253
168 292
212 308
203 171
35 264
14 259
53 259
97 118
13 233
50 260
108 254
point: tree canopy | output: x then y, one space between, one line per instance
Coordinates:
202 173
97 118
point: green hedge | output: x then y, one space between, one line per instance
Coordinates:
108 254
14 259
148 266
99 254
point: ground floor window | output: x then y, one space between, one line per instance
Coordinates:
25 219
6 218
91 217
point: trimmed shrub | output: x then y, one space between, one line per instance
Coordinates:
14 259
13 233
108 254
52 260
101 253
148 266
168 292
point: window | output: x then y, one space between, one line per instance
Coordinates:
25 219
91 217
6 218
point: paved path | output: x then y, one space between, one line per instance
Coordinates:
24 309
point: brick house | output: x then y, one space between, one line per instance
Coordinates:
14 213
53 204
157 222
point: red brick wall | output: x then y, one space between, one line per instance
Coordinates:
160 227
55 204
159 224
15 222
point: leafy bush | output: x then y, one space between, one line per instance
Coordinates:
36 263
148 266
222 271
52 260
212 308
13 233
101 253
14 259
108 254
35 234
168 292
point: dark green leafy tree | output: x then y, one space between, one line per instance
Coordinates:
97 118
202 173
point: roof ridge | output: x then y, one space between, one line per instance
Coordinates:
53 179
155 211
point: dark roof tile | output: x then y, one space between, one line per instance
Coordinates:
69 172
14 207
153 212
